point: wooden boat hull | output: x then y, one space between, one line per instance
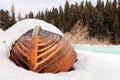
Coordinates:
43 52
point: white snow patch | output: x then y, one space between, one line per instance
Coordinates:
23 26
102 66
1 31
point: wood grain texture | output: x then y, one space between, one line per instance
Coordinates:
43 52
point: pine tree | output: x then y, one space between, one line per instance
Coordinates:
66 12
118 10
76 13
93 23
55 16
81 9
38 16
26 16
71 19
115 3
5 22
103 31
61 19
100 6
31 15
115 32
46 15
87 12
19 17
13 19
49 17
42 15
109 16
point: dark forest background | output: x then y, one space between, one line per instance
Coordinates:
103 20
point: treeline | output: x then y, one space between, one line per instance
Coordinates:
7 20
103 20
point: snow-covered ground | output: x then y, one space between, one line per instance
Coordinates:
90 65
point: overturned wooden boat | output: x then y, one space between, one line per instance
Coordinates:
43 52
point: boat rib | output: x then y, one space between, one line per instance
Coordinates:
42 51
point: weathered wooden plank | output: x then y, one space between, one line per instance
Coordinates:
43 51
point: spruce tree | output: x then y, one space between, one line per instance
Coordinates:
118 10
38 16
55 16
93 24
81 10
5 22
115 3
87 12
61 19
30 15
76 13
42 15
109 16
13 19
46 15
71 19
26 16
19 17
50 17
115 32
102 28
66 12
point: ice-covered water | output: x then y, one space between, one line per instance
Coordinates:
111 49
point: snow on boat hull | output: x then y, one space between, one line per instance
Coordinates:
43 52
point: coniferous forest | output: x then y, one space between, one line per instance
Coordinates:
103 20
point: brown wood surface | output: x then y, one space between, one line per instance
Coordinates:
43 51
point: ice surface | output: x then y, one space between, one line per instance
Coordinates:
113 49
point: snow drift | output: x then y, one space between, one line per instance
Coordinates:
1 30
90 65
